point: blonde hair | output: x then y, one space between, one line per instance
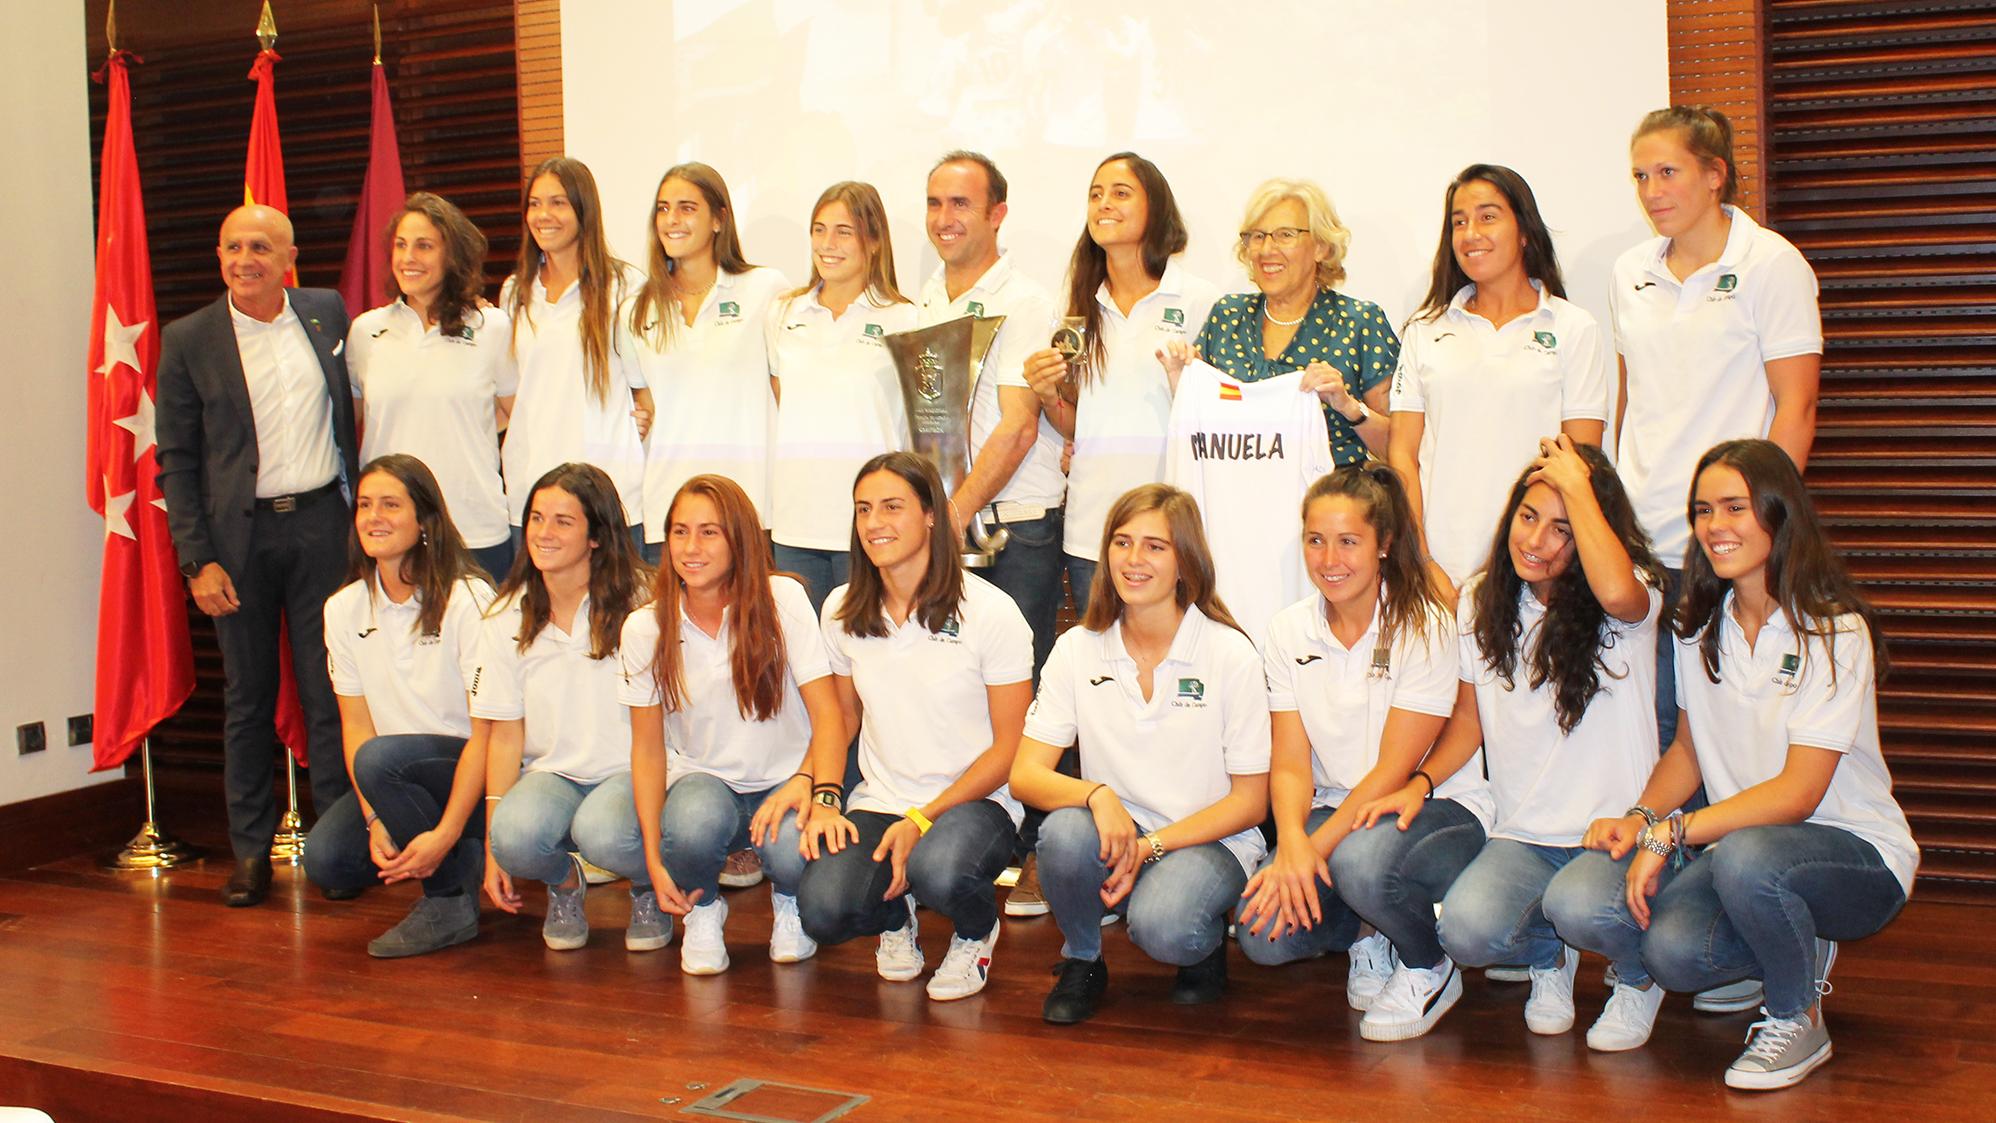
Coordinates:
1323 220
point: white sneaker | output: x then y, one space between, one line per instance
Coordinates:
1507 973
1729 999
1780 1052
1371 966
965 968
704 950
899 957
1414 999
1626 1021
1550 1008
787 941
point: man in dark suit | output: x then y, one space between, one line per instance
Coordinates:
256 461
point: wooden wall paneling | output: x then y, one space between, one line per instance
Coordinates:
1716 48
538 31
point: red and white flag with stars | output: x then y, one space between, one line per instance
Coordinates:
145 668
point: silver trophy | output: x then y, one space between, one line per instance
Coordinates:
939 367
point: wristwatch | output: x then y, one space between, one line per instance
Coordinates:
1364 415
1156 847
192 569
1660 847
827 798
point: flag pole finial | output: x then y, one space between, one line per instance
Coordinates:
266 28
111 27
377 33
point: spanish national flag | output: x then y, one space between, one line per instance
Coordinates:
1230 392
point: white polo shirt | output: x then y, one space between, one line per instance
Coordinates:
1778 693
289 406
433 396
714 411
1247 451
412 683
1343 703
1121 421
1697 354
1488 395
841 406
576 725
1174 754
1550 786
556 419
711 736
1029 318
925 714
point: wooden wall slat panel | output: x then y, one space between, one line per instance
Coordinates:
537 26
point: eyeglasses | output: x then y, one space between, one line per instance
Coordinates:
1283 237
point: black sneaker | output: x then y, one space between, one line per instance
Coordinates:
1204 981
1076 991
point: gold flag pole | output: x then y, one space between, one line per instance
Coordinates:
287 846
150 849
111 27
266 28
377 33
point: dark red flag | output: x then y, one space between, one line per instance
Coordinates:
365 277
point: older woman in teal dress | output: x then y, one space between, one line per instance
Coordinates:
1294 247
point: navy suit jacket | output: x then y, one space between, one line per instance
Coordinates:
207 434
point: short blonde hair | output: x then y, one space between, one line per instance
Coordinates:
1323 219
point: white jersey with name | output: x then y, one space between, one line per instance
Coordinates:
575 726
1247 451
1124 415
412 683
1550 786
711 735
1785 690
713 410
925 713
1343 696
840 405
435 397
1488 395
1028 327
1697 352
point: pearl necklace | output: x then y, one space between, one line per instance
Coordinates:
1268 313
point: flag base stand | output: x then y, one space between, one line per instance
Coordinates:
151 849
287 846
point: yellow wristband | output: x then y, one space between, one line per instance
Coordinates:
921 821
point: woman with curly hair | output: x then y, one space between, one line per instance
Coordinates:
1558 668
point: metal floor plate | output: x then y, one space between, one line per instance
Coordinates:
765 1101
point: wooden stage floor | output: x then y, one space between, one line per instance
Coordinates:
129 998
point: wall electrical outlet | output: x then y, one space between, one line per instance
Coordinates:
32 738
80 732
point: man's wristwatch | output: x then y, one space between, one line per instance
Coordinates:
191 570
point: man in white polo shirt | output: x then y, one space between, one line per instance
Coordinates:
256 456
1015 477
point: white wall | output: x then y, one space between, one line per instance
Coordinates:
48 640
1380 101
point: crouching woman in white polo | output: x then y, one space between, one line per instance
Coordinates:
1165 695
546 690
934 667
1777 688
731 702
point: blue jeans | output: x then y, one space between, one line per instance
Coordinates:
1177 910
822 570
703 821
1389 878
531 828
495 560
1497 910
1666 661
951 870
1028 570
1080 579
1754 904
407 778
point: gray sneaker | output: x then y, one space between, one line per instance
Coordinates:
649 929
567 926
1780 1052
434 924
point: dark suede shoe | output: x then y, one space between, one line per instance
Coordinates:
1204 981
249 884
342 892
1076 992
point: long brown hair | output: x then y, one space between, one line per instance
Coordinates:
1706 134
756 654
1088 268
463 247
438 560
1541 261
1575 631
1411 598
1804 573
657 301
869 217
617 575
1197 585
941 590
600 275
